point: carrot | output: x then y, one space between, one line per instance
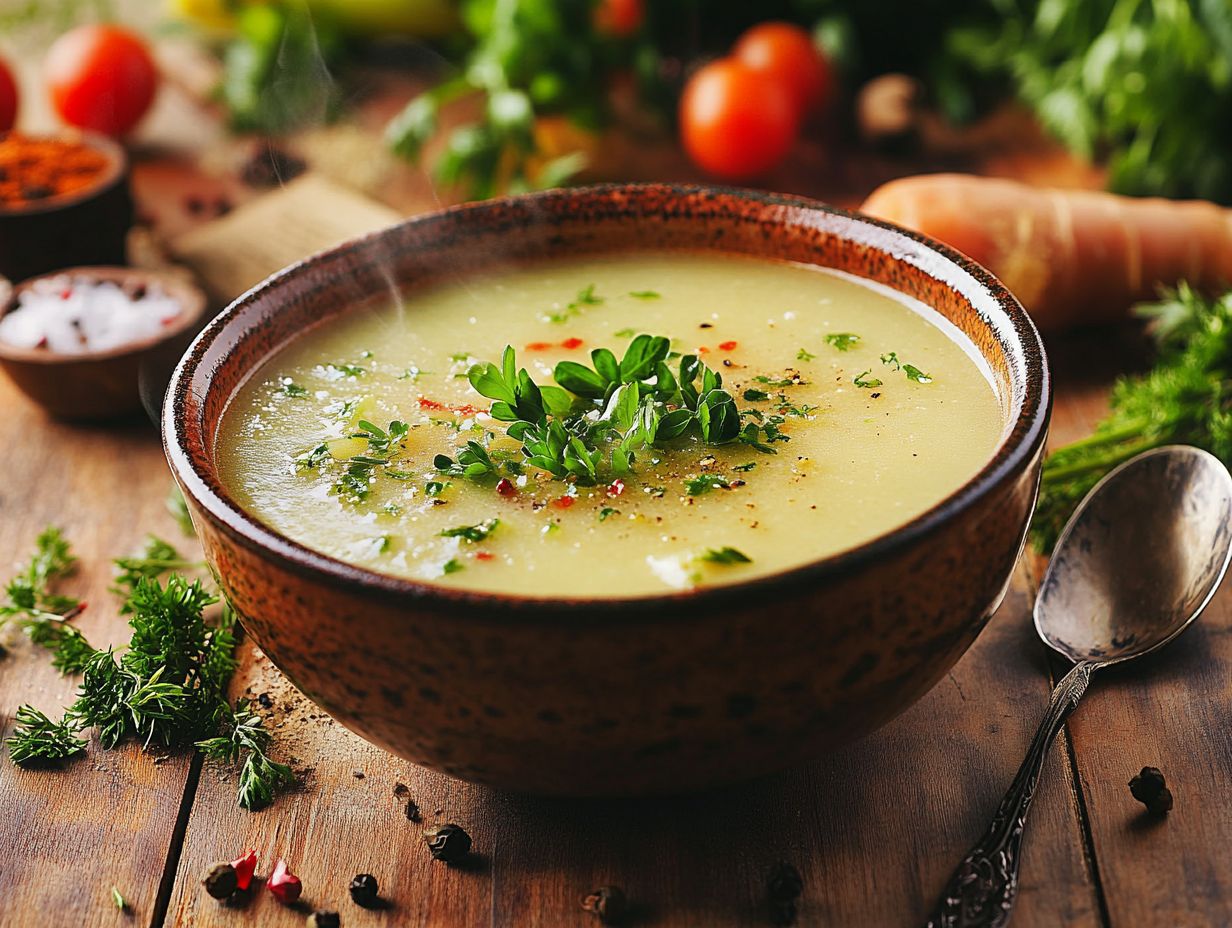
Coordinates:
1072 257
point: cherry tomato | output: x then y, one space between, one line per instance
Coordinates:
8 98
101 77
620 18
788 53
736 122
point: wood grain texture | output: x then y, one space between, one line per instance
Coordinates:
69 836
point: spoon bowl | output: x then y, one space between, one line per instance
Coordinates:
1140 558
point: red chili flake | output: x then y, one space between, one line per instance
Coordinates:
728 346
245 866
66 293
571 343
284 884
538 346
563 502
616 487
425 403
505 487
484 555
465 410
703 350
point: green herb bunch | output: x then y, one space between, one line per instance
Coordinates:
600 418
29 596
1186 398
1146 85
167 688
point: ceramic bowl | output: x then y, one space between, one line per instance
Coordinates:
89 227
635 696
104 384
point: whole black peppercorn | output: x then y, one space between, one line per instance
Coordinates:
324 919
1149 788
608 903
364 891
220 880
449 843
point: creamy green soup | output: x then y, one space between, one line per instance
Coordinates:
843 411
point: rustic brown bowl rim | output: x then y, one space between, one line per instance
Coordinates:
117 168
184 447
190 297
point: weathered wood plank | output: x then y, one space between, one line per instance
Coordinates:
69 836
1169 711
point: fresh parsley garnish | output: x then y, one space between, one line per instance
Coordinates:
625 333
914 373
645 294
804 355
794 381
451 566
29 595
36 739
605 512
290 388
863 380
756 396
843 341
245 737
585 297
599 418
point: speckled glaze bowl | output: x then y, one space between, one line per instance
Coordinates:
648 695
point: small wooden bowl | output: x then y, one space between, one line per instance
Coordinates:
88 227
103 384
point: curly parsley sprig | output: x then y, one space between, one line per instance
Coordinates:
600 418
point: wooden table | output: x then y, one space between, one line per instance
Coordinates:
874 829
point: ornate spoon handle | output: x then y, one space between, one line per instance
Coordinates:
981 892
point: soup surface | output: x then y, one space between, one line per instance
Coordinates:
851 411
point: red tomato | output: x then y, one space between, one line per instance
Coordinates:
788 53
736 122
8 98
620 18
101 78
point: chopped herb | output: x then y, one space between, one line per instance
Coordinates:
843 341
451 566
434 488
118 898
756 396
795 381
890 359
312 458
914 373
472 533
605 512
336 371
744 468
413 373
392 509
645 294
696 486
365 354
585 297
803 355
725 555
625 333
473 461
861 380
70 652
459 357
797 411
290 388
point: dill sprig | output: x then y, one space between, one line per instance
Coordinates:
168 687
29 594
1186 398
244 736
37 739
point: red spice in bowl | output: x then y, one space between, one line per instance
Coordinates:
64 202
34 169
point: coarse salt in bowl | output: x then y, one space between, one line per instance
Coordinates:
79 315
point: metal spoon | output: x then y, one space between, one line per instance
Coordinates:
1136 564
